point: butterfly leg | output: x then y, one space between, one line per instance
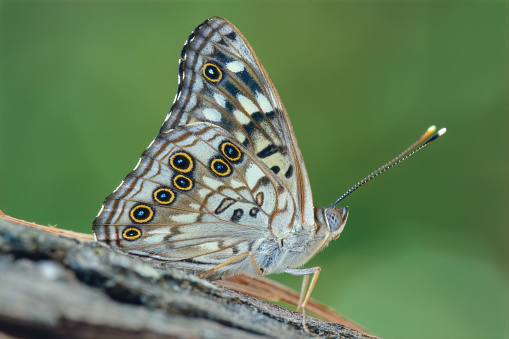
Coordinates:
304 297
229 261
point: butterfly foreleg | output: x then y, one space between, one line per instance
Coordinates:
306 272
229 261
304 297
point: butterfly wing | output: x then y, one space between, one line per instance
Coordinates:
196 198
224 176
221 81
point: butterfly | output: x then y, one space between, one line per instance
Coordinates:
223 189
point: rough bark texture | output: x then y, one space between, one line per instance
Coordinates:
56 287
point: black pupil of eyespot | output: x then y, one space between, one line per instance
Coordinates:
181 162
183 182
220 167
212 72
163 196
141 211
132 233
232 152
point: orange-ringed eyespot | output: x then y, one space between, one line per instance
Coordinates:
212 73
181 162
220 167
131 233
164 196
230 151
141 214
183 183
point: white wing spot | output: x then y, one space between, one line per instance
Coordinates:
212 114
253 174
185 218
203 192
241 117
247 104
264 102
235 66
240 136
261 143
236 184
209 247
221 100
195 206
213 184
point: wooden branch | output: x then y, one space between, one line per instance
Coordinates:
59 284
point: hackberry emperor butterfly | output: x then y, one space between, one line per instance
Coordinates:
223 188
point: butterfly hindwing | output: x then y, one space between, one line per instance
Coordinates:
192 186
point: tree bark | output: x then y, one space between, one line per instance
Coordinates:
52 286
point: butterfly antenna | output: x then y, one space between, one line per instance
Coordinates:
399 159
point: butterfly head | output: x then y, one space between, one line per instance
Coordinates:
334 219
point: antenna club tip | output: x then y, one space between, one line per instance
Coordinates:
400 158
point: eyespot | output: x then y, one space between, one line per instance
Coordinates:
141 214
230 151
212 73
181 162
220 167
164 196
131 233
183 183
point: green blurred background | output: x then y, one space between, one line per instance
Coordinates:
85 87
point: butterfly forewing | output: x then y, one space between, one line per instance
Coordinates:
222 82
